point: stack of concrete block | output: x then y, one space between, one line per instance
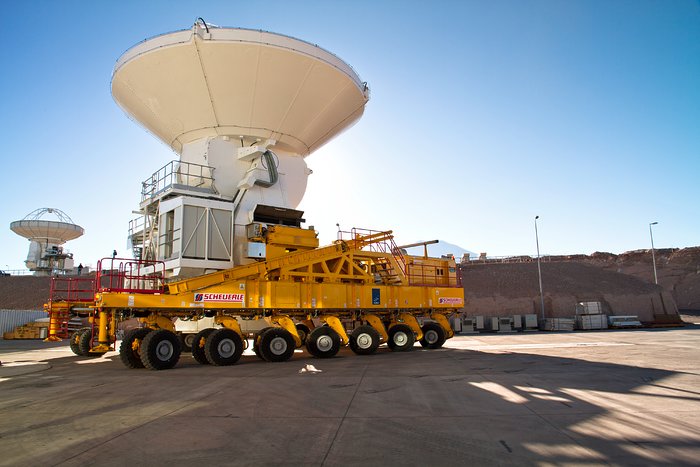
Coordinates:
588 322
589 315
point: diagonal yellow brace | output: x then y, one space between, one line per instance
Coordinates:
158 322
444 323
413 324
287 323
229 322
377 324
337 326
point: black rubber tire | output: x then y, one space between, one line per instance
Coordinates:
223 347
364 340
186 341
130 357
160 350
401 338
433 335
303 331
323 342
276 345
75 341
198 346
85 344
256 341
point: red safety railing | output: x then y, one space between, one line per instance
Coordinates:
130 275
72 289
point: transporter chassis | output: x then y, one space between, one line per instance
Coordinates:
360 291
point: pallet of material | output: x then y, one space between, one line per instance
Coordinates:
631 321
588 322
558 324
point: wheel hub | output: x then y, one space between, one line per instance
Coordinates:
164 350
226 348
278 346
400 338
431 337
324 343
364 341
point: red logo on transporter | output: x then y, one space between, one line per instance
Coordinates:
450 301
219 297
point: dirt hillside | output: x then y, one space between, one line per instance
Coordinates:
502 289
24 292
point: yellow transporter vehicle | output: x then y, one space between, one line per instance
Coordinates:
242 109
361 291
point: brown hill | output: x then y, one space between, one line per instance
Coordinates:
24 292
678 270
501 289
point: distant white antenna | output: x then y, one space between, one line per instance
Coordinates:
46 254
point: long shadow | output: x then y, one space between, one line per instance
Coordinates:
486 408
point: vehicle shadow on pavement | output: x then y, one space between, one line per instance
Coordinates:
437 407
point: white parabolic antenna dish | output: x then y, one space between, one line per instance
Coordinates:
33 227
209 81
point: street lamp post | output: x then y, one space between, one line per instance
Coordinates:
539 268
653 257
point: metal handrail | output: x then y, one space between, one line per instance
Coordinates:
177 173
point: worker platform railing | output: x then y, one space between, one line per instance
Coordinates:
130 275
72 289
179 175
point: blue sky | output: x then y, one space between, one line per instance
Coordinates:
483 114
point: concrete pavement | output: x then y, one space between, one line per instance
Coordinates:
603 398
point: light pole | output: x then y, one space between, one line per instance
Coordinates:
653 257
539 268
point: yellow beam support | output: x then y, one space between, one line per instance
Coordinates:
103 332
229 322
444 322
158 322
337 326
287 323
377 324
413 324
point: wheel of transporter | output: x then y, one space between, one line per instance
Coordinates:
323 342
75 341
186 341
223 347
401 338
276 345
198 345
433 335
85 344
364 340
160 350
303 331
129 349
256 341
